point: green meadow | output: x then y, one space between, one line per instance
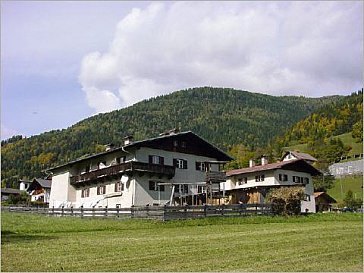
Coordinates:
343 185
320 242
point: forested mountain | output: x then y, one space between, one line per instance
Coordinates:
319 129
225 117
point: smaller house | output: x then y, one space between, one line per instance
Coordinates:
252 184
6 192
292 155
323 201
40 190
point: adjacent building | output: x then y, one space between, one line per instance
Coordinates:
251 185
39 190
173 168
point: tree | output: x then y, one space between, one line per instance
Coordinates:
357 132
286 200
351 202
323 182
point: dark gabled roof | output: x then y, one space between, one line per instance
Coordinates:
43 182
299 155
324 195
163 142
295 165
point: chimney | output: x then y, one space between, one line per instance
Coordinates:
109 147
251 163
128 140
264 160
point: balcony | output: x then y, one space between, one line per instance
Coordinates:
215 177
116 171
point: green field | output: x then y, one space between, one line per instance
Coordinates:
342 185
320 242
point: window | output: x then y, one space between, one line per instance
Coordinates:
283 177
201 189
180 163
183 144
155 159
242 181
121 159
259 178
200 166
301 180
119 186
183 188
153 186
175 143
307 197
85 193
101 190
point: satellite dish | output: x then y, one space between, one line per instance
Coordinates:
124 179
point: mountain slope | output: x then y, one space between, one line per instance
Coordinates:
321 133
222 116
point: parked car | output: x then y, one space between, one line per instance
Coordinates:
346 209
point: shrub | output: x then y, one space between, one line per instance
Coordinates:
286 200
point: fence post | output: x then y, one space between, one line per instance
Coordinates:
222 209
52 210
62 210
205 210
71 210
93 211
117 212
164 213
106 211
132 211
81 210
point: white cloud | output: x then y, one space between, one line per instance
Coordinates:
308 48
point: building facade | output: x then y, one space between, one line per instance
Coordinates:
173 167
251 185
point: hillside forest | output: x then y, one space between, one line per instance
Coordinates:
244 124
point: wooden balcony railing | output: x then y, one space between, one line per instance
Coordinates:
215 177
119 170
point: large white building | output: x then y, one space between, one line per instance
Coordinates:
251 185
174 167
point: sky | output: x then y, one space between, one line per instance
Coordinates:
63 61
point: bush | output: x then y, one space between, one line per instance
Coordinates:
286 200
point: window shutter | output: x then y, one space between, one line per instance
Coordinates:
174 162
150 159
161 160
185 164
197 166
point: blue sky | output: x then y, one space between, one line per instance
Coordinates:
64 61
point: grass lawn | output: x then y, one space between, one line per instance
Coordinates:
320 242
342 185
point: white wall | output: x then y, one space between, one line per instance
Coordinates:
109 199
144 196
62 193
